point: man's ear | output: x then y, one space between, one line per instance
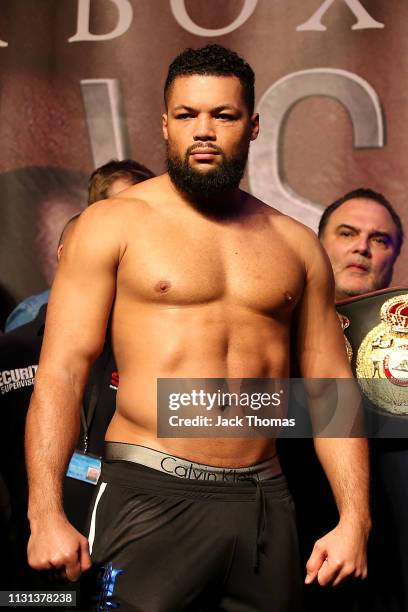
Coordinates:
164 126
254 126
59 251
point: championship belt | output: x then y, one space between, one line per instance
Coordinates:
375 327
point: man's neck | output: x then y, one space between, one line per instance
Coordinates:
221 206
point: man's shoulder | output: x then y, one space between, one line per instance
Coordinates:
291 225
116 208
280 221
137 200
300 235
111 217
301 240
146 191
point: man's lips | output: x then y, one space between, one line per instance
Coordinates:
204 153
357 267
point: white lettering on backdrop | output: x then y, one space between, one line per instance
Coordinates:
106 121
178 8
84 9
179 11
265 158
364 20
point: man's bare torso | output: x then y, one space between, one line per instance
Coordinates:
198 298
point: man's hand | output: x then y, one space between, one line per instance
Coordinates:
56 545
338 555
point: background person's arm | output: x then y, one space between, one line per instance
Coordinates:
322 354
77 317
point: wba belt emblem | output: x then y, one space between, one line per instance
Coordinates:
383 355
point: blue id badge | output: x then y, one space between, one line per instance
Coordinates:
85 467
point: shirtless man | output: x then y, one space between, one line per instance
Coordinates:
202 280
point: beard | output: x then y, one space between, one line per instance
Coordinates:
205 185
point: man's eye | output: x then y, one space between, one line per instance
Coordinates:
380 240
183 116
226 117
346 233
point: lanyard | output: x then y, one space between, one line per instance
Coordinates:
95 382
87 414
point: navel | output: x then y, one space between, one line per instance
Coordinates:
162 286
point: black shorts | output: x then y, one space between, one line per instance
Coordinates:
171 545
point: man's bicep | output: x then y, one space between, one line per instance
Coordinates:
81 297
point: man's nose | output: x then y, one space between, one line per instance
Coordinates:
362 246
204 129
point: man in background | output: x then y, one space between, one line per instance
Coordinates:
105 182
36 203
28 309
19 354
115 176
363 236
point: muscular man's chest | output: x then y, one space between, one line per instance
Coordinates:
187 269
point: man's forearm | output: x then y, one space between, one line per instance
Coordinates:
52 432
346 464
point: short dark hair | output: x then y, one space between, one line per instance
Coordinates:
367 194
213 60
102 178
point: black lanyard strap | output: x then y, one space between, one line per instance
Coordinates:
92 392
